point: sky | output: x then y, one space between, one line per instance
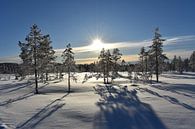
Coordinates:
126 24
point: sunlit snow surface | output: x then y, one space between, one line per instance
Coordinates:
169 104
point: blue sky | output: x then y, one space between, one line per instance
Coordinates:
80 21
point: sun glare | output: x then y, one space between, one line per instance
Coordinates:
97 44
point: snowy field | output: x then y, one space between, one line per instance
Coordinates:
92 105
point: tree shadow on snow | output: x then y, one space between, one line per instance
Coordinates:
181 89
122 109
179 76
6 88
170 99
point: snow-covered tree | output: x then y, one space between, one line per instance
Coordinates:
186 64
102 63
174 62
156 52
116 56
69 63
45 56
142 58
123 63
29 51
192 61
37 54
105 61
179 65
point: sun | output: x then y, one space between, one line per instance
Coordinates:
97 44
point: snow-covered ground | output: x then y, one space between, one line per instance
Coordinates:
92 105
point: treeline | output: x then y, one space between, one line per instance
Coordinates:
180 65
9 68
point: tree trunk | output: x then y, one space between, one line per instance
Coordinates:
68 79
107 72
104 74
146 64
156 65
35 70
46 74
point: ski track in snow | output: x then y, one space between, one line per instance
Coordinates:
42 114
21 97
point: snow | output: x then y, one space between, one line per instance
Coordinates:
169 104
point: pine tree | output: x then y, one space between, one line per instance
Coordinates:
29 53
68 61
156 52
46 56
174 62
116 56
36 53
146 61
102 63
192 61
105 62
179 65
123 65
142 57
109 63
186 64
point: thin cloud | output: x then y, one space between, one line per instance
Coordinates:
133 44
10 59
129 45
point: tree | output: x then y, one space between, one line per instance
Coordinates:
116 56
29 51
192 61
123 65
105 62
45 56
156 52
146 61
186 64
179 65
174 62
37 54
102 63
142 57
68 61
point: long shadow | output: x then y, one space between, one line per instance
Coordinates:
24 96
14 86
42 114
122 109
188 88
168 98
18 87
170 88
181 76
